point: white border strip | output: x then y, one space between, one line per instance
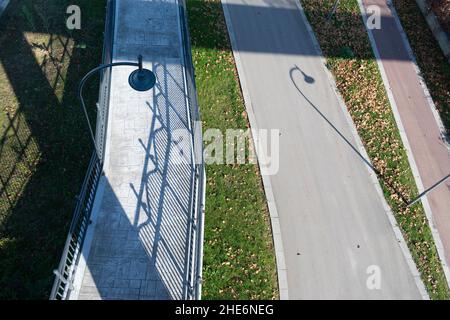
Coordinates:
414 169
397 232
273 212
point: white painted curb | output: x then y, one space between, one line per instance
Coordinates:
398 234
274 219
414 169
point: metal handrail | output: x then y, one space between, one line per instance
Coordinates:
77 231
197 217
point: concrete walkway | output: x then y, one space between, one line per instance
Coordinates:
138 246
418 121
336 230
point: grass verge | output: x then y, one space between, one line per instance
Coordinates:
435 69
44 144
349 56
239 260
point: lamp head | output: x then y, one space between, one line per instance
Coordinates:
142 79
308 79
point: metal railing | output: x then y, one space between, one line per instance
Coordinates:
64 275
105 79
197 219
81 218
80 222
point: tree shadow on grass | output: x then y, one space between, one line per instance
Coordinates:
44 145
278 14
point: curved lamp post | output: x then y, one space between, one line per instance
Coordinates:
140 80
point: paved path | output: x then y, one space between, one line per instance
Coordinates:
333 222
138 245
429 152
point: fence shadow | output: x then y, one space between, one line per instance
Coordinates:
41 135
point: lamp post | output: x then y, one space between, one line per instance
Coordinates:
140 80
427 190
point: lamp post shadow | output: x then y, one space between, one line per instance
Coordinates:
310 80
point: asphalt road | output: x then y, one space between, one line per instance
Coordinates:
333 223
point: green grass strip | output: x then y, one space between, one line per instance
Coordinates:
239 260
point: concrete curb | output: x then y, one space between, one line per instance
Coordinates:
412 163
274 219
397 232
3 5
441 36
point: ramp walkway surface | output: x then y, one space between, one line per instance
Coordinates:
138 245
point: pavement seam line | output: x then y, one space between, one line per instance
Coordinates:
274 218
393 222
412 163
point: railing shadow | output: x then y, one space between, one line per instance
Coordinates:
119 265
